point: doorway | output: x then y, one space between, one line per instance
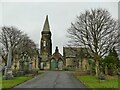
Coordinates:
54 64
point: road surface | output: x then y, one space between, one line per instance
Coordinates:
53 79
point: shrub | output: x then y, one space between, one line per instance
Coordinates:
80 73
66 69
34 72
101 76
17 73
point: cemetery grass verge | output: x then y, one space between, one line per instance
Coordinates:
7 84
93 82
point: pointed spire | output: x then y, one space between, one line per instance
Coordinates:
56 50
46 25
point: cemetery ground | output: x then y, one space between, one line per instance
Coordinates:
6 84
62 79
110 82
16 80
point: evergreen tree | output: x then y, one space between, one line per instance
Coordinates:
111 62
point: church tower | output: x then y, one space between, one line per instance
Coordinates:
45 45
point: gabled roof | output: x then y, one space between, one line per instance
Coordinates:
74 51
56 55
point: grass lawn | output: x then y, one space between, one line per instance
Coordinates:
15 81
92 82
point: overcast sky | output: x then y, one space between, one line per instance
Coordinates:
29 17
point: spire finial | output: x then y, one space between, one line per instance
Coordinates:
47 16
56 50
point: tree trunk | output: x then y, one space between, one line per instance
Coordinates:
97 68
90 69
106 70
81 64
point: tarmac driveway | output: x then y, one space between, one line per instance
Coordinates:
53 79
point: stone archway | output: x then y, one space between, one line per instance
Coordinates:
53 64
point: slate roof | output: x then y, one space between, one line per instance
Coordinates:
74 51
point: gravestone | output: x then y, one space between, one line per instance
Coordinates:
101 76
41 65
30 63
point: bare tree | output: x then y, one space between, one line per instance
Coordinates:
118 47
9 36
26 46
19 42
95 30
27 50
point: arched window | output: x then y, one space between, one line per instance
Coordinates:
44 43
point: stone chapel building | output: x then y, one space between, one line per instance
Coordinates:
56 61
49 61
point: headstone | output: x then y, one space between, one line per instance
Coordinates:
101 76
8 73
41 65
30 63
